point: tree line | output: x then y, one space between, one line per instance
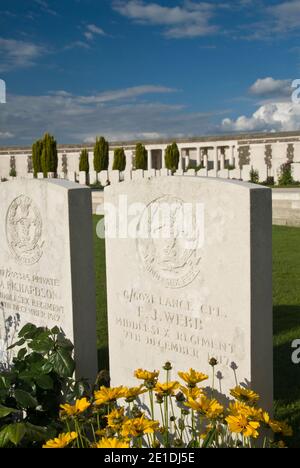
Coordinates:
45 157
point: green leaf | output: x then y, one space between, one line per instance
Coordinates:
209 438
62 362
47 367
4 437
4 411
45 382
16 432
63 342
35 433
18 343
21 354
25 400
28 331
43 344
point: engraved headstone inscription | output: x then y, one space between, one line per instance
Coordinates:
189 278
46 265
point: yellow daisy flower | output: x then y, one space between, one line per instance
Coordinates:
281 428
112 443
241 425
116 418
132 393
236 408
61 441
193 393
108 395
146 375
167 388
192 378
138 427
79 407
244 395
210 408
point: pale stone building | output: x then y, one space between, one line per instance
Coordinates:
227 156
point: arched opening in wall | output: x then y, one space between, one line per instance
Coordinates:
157 159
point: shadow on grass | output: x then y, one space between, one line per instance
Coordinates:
286 373
286 318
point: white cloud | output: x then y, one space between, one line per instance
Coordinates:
18 54
280 116
92 30
115 114
6 135
268 87
189 20
286 15
45 7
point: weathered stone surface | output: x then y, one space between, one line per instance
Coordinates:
171 302
46 264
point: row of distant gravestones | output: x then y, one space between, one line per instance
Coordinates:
105 178
111 177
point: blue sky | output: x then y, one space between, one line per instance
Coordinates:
146 69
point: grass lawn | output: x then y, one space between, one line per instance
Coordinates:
286 298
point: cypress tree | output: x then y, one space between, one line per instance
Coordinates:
172 157
84 161
37 149
141 157
101 155
119 160
49 158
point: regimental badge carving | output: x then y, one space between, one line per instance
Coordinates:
170 256
24 231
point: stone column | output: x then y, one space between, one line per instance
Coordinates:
205 158
222 159
129 160
216 159
111 160
199 156
232 155
180 165
149 160
187 160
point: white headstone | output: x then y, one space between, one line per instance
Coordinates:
46 264
182 301
114 177
150 173
127 175
137 174
103 178
72 176
93 177
82 178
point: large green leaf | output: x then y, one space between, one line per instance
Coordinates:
16 432
36 433
25 400
18 343
4 437
28 331
45 382
4 411
43 344
13 433
62 362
